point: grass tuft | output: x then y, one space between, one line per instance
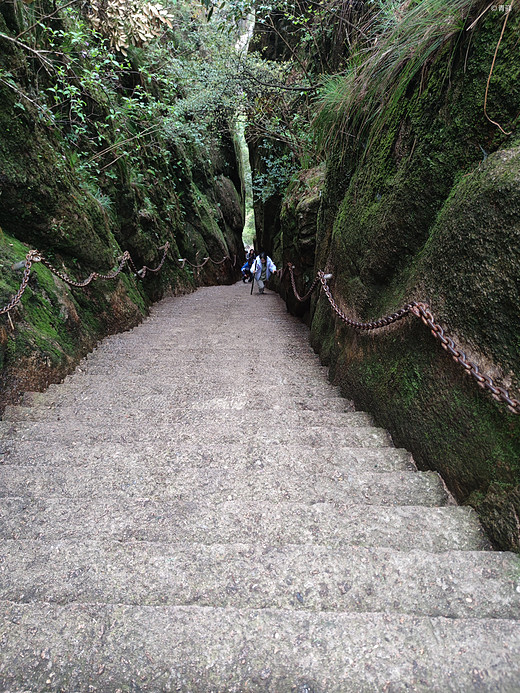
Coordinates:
399 38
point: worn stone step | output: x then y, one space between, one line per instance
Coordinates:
190 339
226 397
245 401
337 525
465 584
283 353
290 372
231 315
201 379
53 647
237 363
219 485
266 432
182 341
180 416
286 355
242 457
190 390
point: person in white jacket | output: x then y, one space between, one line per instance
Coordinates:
262 268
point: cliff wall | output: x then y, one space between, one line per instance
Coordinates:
429 211
137 198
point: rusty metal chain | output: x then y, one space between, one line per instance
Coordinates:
220 262
144 269
314 284
31 257
92 276
35 256
373 325
422 311
184 261
500 394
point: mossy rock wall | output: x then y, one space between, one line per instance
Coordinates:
431 212
188 198
295 242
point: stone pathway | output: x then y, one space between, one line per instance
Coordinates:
196 509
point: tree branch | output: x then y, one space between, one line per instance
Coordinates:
47 16
45 62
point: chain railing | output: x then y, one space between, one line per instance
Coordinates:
417 309
422 311
184 261
314 284
35 256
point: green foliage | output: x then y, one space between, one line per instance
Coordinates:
279 168
397 43
151 114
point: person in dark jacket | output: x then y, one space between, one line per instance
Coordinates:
246 267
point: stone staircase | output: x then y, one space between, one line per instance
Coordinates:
196 509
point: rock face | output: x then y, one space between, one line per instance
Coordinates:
296 242
197 509
82 221
431 212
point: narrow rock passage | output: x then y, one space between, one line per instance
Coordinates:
197 509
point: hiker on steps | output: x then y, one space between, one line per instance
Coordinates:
262 268
246 267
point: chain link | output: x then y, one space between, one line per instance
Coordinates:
373 325
31 257
35 256
184 261
420 310
314 284
144 269
500 394
220 262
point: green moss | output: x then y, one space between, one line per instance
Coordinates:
322 332
432 212
81 210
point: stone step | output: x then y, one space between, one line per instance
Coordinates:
190 389
247 418
226 396
54 647
454 584
200 379
305 372
50 398
152 351
186 342
220 485
234 314
183 340
242 458
266 432
337 525
189 338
